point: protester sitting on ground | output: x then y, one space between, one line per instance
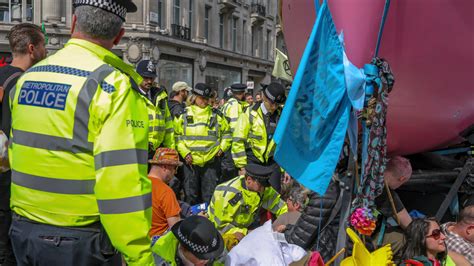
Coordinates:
165 206
296 203
397 172
235 203
460 235
425 244
317 213
192 241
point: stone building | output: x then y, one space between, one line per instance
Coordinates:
219 42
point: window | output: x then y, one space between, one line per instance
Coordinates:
234 34
254 45
160 12
176 11
190 16
221 31
269 43
206 22
172 69
14 10
244 37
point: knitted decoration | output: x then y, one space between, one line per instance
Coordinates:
364 221
372 184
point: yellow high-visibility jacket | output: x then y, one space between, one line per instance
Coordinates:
201 132
162 130
232 111
79 147
250 133
233 207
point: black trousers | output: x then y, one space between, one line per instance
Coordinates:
6 251
42 244
200 182
229 170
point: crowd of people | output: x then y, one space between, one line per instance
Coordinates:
109 167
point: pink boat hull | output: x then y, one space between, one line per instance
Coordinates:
430 47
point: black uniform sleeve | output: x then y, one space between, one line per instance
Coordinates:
6 113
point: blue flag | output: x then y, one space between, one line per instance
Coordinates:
314 121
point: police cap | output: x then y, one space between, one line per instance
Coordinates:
203 90
260 173
275 92
146 69
238 87
117 7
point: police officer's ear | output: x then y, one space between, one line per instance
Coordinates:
119 36
73 25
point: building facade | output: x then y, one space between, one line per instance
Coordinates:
219 42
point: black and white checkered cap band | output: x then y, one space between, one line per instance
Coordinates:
195 247
269 96
107 5
198 91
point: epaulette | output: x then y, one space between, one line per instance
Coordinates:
256 106
217 112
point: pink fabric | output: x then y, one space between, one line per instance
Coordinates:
429 46
316 259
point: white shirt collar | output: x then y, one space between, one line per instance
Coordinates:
264 109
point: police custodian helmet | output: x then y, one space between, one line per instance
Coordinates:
117 7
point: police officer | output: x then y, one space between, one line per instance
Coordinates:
236 202
202 134
79 150
232 110
193 241
252 139
160 129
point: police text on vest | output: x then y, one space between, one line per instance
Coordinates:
44 94
135 123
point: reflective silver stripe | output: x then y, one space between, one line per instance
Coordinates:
159 128
150 117
167 119
228 189
79 142
120 157
150 129
268 203
227 228
255 136
234 119
204 149
206 138
236 139
169 130
53 185
216 219
125 205
227 137
238 154
197 124
41 141
81 114
277 207
159 117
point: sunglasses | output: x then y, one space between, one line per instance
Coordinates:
435 234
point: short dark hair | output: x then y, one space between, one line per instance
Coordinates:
97 23
467 215
173 93
22 35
